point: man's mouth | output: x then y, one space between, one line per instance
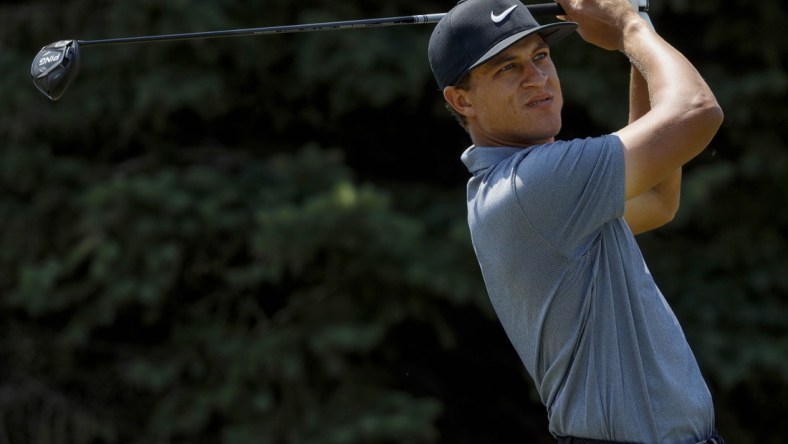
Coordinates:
540 100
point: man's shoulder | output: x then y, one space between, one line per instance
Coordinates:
479 158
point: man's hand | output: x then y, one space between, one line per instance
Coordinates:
602 23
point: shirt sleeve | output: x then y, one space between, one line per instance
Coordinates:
569 190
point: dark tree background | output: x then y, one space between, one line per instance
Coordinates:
263 239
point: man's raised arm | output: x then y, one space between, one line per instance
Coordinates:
684 115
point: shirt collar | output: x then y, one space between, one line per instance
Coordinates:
478 159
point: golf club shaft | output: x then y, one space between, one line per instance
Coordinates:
536 10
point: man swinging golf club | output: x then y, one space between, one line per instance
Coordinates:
553 222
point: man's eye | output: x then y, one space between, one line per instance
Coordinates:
507 67
541 56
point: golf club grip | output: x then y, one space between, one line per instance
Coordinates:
543 9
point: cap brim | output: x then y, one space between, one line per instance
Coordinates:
551 33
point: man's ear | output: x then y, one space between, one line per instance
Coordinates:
458 99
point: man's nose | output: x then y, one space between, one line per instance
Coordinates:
534 76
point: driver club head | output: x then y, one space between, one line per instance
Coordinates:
55 66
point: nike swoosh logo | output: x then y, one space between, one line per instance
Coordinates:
502 16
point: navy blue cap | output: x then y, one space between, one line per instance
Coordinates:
475 31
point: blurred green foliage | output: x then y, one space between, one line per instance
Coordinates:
263 239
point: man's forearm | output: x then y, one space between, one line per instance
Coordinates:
659 205
639 101
639 105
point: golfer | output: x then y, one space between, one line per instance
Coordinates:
553 222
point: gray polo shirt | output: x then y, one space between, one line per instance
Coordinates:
571 289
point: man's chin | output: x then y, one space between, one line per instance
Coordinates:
547 136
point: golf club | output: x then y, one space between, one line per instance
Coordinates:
56 65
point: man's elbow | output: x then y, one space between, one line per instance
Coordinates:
707 116
651 210
667 211
670 212
714 115
657 221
